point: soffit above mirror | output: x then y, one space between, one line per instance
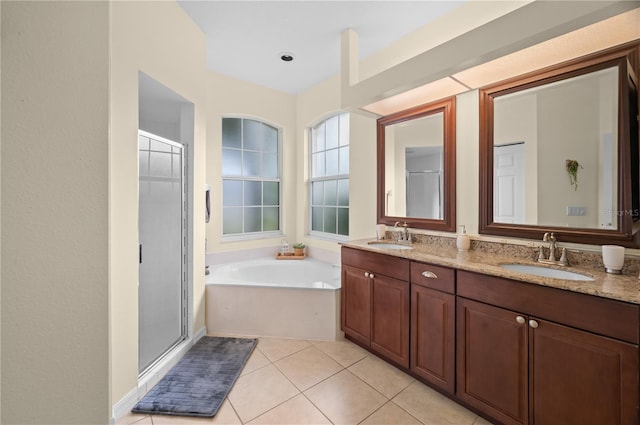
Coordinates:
616 30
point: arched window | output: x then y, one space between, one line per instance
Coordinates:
329 166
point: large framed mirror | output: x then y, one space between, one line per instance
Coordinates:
417 167
559 152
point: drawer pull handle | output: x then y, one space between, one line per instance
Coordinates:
520 319
533 324
429 275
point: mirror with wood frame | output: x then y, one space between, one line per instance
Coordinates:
417 168
559 152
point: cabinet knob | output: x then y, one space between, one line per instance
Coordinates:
520 319
366 274
429 275
533 324
371 275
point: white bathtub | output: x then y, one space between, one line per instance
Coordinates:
277 298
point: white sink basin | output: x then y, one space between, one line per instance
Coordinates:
390 245
546 272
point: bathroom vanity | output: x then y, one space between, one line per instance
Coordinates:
516 348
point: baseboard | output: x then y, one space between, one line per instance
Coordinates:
199 334
146 382
124 406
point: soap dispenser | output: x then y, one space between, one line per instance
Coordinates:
463 242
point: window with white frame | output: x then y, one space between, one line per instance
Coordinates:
250 177
329 170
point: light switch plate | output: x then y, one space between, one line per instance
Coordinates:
576 211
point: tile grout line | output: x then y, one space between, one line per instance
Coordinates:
232 408
346 368
405 410
317 407
301 392
413 380
272 363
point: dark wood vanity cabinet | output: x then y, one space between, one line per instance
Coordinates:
492 361
356 304
580 377
375 303
433 324
516 352
532 354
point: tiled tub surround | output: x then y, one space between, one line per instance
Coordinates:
486 257
268 297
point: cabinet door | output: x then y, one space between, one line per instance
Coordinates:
390 319
356 304
492 361
581 378
433 336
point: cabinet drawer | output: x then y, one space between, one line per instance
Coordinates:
387 265
436 277
608 317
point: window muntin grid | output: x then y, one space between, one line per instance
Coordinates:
250 177
329 170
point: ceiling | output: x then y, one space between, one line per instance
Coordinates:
245 39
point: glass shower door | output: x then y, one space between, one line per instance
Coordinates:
161 290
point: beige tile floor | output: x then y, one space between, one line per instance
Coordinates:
288 381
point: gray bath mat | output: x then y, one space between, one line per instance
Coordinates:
198 384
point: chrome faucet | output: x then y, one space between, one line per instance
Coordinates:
405 236
550 237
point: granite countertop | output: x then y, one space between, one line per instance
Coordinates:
617 287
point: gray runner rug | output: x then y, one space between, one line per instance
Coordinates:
198 384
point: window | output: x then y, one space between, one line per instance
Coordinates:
330 176
250 177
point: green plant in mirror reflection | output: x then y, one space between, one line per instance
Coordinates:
572 169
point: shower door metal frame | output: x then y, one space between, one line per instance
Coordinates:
184 290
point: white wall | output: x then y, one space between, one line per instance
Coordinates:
160 40
362 189
55 328
0 225
467 160
568 129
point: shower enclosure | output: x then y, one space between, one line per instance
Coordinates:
424 194
162 229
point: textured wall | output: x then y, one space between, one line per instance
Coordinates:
55 336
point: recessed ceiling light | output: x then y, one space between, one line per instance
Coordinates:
286 57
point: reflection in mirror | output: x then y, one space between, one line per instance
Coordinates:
537 133
559 151
413 163
416 167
